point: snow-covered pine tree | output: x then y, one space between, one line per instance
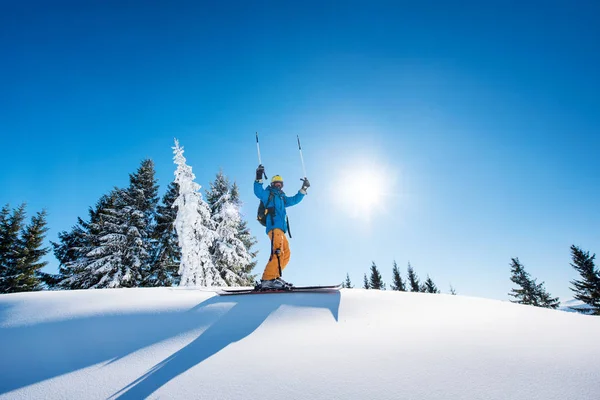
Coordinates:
366 282
124 232
529 292
74 246
376 282
21 265
231 254
11 224
139 210
452 290
429 286
413 280
244 234
114 251
397 282
166 253
195 229
587 289
348 284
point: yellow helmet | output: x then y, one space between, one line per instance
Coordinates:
276 178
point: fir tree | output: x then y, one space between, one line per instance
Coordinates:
166 252
376 282
366 283
21 265
73 248
587 289
429 286
10 226
398 284
529 292
243 233
230 251
117 250
348 283
413 280
138 212
195 228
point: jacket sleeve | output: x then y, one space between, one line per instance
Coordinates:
261 192
293 200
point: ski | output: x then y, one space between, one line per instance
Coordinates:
293 289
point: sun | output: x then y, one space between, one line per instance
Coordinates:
361 190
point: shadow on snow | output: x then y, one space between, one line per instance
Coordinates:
35 353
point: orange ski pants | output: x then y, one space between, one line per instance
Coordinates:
280 254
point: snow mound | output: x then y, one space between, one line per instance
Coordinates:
356 344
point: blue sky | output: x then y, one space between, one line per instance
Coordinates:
476 125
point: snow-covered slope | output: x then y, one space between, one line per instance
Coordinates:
356 344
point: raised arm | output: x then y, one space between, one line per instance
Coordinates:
261 192
297 198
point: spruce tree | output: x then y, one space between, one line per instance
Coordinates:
166 253
413 280
429 286
587 289
348 283
529 292
366 283
119 243
397 282
74 249
376 282
231 248
138 211
195 228
243 233
20 266
11 223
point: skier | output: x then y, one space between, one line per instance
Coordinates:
275 202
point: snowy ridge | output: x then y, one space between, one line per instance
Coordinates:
355 344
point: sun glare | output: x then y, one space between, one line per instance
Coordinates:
362 191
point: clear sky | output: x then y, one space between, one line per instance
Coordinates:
464 134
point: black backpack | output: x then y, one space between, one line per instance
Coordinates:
263 210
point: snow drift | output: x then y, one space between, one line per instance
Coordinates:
356 344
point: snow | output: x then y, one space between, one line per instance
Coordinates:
182 343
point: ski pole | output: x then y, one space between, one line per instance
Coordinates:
258 149
301 157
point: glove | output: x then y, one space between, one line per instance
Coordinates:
305 185
260 171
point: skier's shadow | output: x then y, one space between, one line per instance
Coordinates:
246 315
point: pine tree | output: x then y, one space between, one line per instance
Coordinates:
231 255
138 209
397 284
529 292
73 248
587 289
452 290
413 280
243 233
195 228
348 283
20 266
366 283
10 226
429 286
376 282
166 252
118 245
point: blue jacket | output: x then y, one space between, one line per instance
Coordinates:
280 201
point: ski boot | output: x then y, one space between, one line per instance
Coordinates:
275 284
